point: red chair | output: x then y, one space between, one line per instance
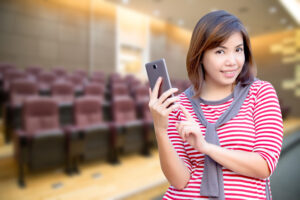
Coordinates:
20 90
40 144
90 136
128 131
60 72
63 92
34 70
98 77
45 80
78 82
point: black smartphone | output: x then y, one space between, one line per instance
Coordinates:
155 69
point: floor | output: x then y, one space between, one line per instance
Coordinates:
137 177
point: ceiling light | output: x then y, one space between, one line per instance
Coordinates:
283 21
290 27
156 13
272 10
293 7
125 1
180 22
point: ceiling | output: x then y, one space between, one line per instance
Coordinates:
259 16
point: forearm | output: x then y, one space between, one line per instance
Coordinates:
172 166
242 162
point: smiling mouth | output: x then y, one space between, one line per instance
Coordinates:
228 72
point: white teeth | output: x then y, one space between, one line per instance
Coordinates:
228 72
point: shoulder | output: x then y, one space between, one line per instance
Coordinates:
260 87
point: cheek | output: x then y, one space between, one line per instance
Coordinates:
241 60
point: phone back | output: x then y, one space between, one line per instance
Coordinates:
156 69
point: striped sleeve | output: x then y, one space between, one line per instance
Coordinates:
176 140
268 125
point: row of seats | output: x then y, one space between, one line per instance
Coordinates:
43 143
103 117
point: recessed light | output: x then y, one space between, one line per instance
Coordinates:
272 10
156 13
125 1
290 27
283 21
180 22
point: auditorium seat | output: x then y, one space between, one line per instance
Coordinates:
128 131
78 82
63 92
45 80
60 72
98 77
20 89
40 144
89 138
119 89
34 70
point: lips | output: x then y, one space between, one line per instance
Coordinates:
229 74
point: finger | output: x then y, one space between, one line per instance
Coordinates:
181 128
185 135
187 123
167 94
170 101
173 107
187 114
156 87
150 92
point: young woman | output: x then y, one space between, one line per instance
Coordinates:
222 137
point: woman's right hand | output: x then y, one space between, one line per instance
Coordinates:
161 107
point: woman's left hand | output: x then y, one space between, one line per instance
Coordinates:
190 132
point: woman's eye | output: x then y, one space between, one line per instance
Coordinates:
239 50
220 52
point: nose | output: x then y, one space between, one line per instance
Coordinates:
230 59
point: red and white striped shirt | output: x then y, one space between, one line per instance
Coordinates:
256 128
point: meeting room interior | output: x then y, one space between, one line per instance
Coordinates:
74 93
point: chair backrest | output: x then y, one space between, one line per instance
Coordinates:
46 78
87 111
81 72
21 89
146 111
60 72
94 89
98 77
119 90
115 78
75 79
123 109
34 70
63 91
11 75
141 92
40 114
6 66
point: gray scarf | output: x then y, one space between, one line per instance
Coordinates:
212 180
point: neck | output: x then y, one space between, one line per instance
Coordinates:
213 92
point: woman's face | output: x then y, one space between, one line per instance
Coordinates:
224 63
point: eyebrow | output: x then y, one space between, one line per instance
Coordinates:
226 47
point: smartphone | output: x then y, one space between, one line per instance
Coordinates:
155 69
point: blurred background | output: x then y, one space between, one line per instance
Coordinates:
74 122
